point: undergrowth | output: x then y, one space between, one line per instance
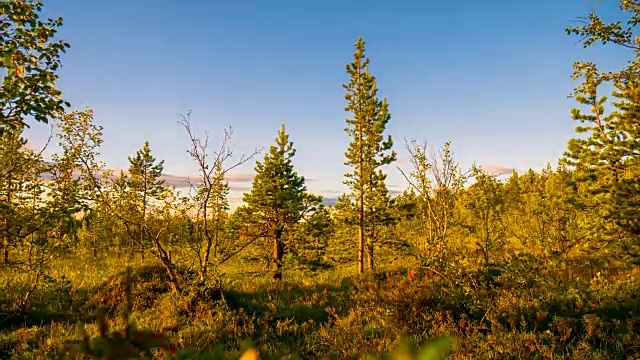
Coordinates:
491 313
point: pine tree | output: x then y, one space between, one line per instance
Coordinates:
608 158
279 197
310 238
368 151
144 186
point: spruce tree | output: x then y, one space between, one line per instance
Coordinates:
368 151
279 198
608 157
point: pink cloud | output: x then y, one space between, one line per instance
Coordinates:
237 181
497 170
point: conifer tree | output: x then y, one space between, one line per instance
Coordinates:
309 240
279 197
144 185
345 215
608 157
368 151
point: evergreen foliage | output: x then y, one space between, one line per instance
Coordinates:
542 264
607 159
142 185
279 198
367 153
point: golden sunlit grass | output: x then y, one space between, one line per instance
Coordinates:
335 314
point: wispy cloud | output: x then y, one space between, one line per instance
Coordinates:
497 170
393 190
237 181
183 181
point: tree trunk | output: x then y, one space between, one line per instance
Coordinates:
5 226
173 278
277 254
143 228
203 270
141 239
370 253
170 268
5 242
361 234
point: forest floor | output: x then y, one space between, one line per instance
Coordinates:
523 309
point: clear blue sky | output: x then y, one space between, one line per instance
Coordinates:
491 76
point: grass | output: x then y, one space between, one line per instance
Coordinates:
553 312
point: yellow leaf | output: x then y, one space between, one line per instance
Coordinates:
20 71
251 354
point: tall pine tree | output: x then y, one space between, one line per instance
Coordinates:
608 158
279 197
368 151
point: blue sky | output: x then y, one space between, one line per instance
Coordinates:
491 76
